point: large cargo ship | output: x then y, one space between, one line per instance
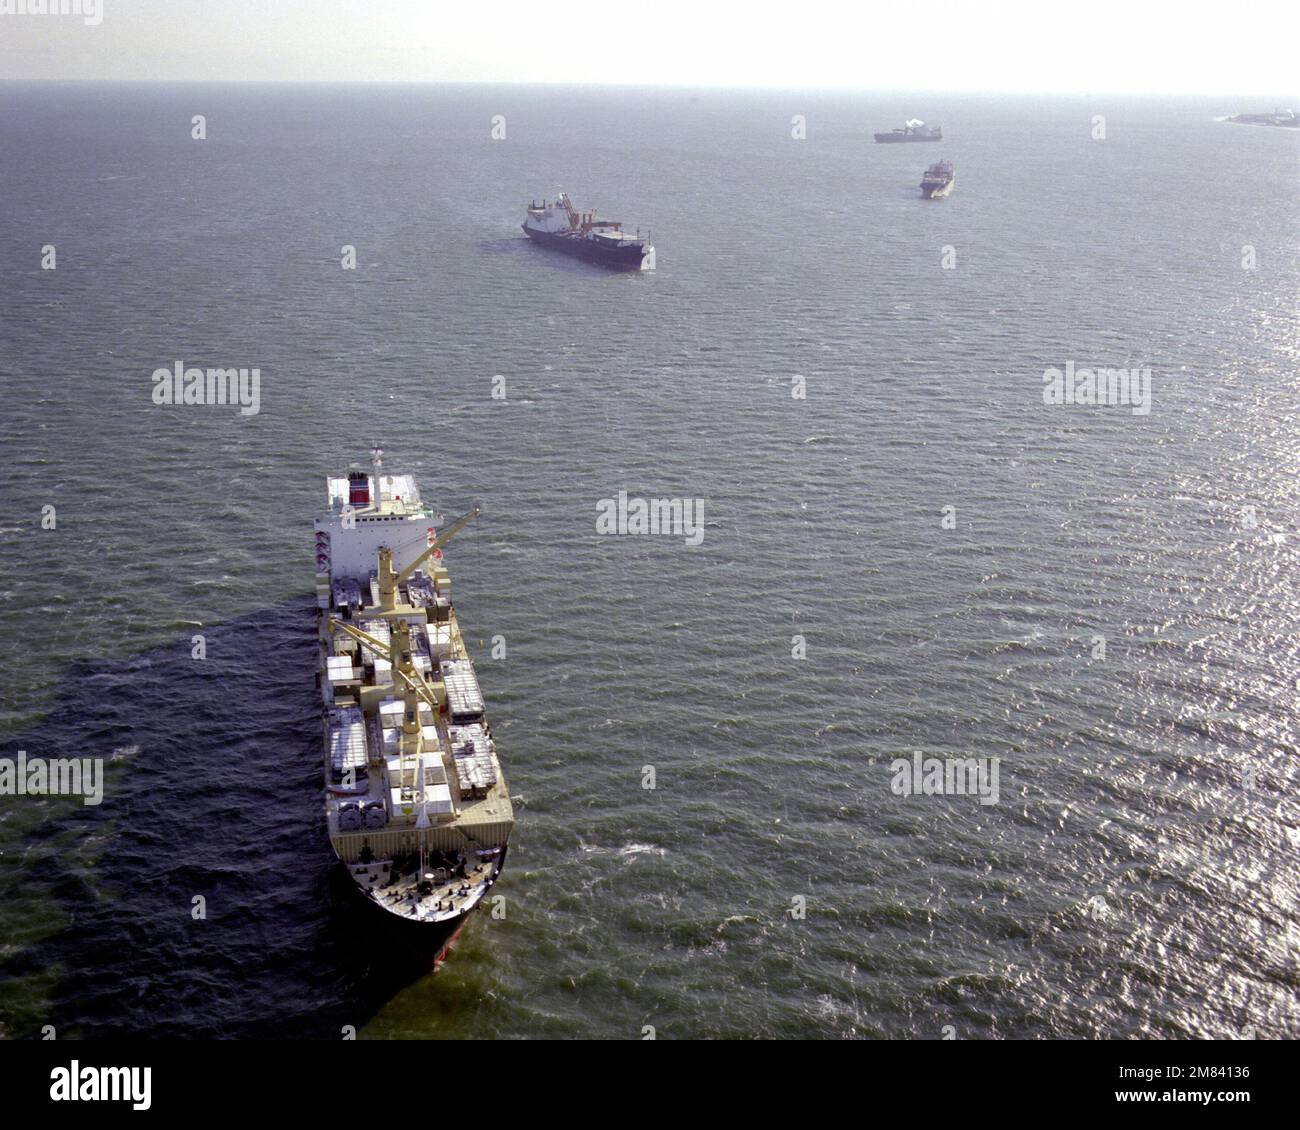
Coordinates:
415 800
561 227
913 130
938 180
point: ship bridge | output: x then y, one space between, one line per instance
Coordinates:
369 510
374 491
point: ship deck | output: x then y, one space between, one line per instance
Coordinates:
450 891
409 767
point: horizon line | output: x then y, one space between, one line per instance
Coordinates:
664 86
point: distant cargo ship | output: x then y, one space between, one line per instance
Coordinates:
1276 118
561 227
913 130
938 180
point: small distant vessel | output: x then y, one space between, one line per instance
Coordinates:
938 180
1276 118
913 130
561 227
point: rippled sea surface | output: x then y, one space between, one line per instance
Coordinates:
1111 608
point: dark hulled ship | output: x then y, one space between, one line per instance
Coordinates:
561 227
938 180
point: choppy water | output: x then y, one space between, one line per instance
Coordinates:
1138 876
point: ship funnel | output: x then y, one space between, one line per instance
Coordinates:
358 490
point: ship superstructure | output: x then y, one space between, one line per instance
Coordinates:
913 130
416 803
561 227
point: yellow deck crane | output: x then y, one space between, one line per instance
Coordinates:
411 751
416 688
389 581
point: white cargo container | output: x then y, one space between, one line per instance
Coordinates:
464 699
439 640
437 798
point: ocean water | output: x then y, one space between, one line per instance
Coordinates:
1111 608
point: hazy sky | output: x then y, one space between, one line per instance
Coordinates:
1095 46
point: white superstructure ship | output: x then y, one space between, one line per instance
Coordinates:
416 802
561 227
912 130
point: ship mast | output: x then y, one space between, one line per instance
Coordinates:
422 821
377 465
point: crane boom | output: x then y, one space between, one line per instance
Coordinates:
574 218
377 646
389 653
388 580
438 542
421 690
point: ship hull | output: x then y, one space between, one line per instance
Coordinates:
427 943
888 138
937 192
616 258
